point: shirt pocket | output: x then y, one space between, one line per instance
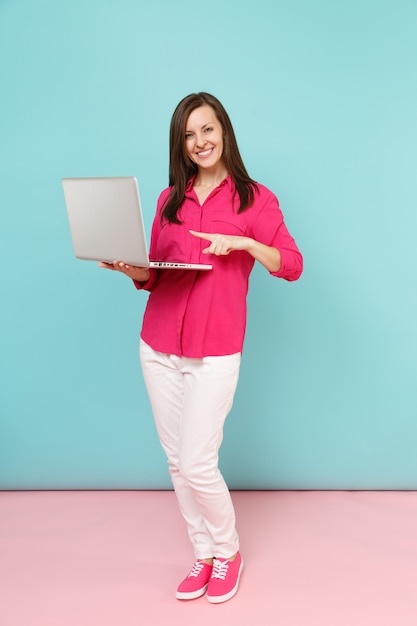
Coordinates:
228 226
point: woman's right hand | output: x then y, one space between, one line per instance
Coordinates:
141 274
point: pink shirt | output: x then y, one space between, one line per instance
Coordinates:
203 313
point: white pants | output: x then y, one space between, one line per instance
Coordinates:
190 399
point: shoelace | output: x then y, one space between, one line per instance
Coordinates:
196 569
220 569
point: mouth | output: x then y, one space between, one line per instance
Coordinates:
205 153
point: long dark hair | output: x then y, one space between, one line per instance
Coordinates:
181 168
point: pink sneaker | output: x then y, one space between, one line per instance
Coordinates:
224 579
196 583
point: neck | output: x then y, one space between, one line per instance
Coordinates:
210 179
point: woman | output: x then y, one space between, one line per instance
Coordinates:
194 323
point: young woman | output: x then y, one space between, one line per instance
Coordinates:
194 323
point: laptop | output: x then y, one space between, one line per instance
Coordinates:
106 222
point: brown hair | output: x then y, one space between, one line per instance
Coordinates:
181 169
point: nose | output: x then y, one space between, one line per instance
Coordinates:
200 140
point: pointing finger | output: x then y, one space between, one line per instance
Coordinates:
208 236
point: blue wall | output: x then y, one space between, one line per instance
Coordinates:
323 97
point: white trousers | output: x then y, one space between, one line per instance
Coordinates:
190 400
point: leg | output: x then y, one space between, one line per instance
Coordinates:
210 384
165 386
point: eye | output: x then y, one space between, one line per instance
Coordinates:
208 129
188 135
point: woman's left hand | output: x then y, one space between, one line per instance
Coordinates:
268 256
223 244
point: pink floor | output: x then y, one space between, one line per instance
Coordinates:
115 558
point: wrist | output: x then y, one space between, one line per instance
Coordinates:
251 246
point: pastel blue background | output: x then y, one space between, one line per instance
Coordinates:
323 98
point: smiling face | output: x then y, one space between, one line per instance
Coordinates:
204 139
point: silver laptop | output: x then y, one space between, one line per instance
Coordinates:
106 222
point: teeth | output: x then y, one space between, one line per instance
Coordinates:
205 153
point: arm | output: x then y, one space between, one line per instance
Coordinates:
269 242
268 256
269 227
